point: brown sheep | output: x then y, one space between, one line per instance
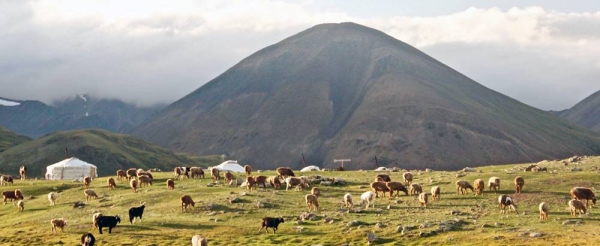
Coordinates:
228 177
131 173
248 170
576 206
214 172
383 178
186 201
21 205
6 179
581 193
197 172
479 186
408 178
260 180
348 200
379 186
519 182
396 186
462 186
274 181
121 174
111 183
415 189
435 193
86 182
423 199
506 201
249 183
58 223
315 191
170 184
284 172
18 194
9 195
90 193
144 180
144 173
544 209
294 182
311 202
494 183
134 185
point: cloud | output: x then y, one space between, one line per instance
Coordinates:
151 52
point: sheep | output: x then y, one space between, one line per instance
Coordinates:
479 186
121 174
415 189
494 183
435 193
383 178
305 181
311 202
396 186
260 180
198 240
88 239
294 182
21 205
170 184
408 178
274 182
5 179
519 182
23 172
133 184
214 172
90 193
249 183
144 180
268 222
580 193
107 221
86 182
248 170
111 183
575 206
315 191
52 196
131 173
186 200
462 186
506 201
423 199
228 177
348 200
197 172
379 186
58 223
138 171
9 195
177 172
144 173
544 209
283 172
136 212
368 198
95 217
18 195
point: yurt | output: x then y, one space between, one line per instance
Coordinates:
310 168
231 166
70 169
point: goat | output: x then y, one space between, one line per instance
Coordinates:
111 183
133 184
268 222
144 180
170 184
95 217
228 177
107 221
494 183
52 196
415 189
58 223
21 205
9 195
5 179
396 186
519 182
86 182
88 239
315 191
23 172
214 172
197 172
284 172
186 200
294 182
274 182
19 195
121 174
544 209
311 202
423 199
260 180
131 173
383 178
136 212
408 178
248 170
506 201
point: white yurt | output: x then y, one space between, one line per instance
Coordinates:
70 169
231 166
310 168
379 169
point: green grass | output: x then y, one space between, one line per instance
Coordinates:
238 223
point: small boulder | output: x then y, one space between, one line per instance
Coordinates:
353 223
371 237
535 234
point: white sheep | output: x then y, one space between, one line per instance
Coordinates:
368 198
544 209
198 240
52 196
348 200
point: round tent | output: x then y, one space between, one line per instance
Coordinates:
310 168
381 169
231 166
71 168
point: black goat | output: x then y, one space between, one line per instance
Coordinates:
107 221
87 239
270 222
136 212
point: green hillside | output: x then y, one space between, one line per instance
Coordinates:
108 151
9 139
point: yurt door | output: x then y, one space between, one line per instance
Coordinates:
93 172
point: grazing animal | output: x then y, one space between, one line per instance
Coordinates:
131 173
136 212
396 186
348 200
9 195
315 191
311 202
197 172
58 223
52 196
107 221
415 189
379 186
177 172
21 205
479 186
368 198
170 184
144 180
111 183
186 200
249 183
577 206
198 240
408 178
88 239
283 172
133 184
5 179
274 182
383 178
519 182
214 172
423 199
144 173
581 193
90 193
260 180
248 170
228 177
544 209
294 182
86 182
18 194
494 183
121 174
462 186
506 201
23 172
435 193
95 217
268 222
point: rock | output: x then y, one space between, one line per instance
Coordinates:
210 185
458 175
379 225
306 216
353 223
398 201
576 169
454 212
363 187
497 224
259 204
399 229
485 226
357 210
371 237
243 194
299 222
424 225
423 234
210 206
328 183
344 244
497 237
535 234
572 222
298 228
338 181
328 220
78 205
234 200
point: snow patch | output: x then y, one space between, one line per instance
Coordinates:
83 98
8 103
86 114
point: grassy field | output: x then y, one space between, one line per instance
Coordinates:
479 219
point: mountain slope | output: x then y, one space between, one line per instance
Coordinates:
348 91
585 113
108 151
10 139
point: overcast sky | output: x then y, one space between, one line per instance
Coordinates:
543 53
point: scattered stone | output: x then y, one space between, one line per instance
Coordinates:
497 224
328 220
299 222
424 225
78 205
234 199
353 223
357 210
344 244
398 201
458 175
535 234
576 169
454 212
362 187
572 222
379 225
298 228
306 216
210 206
485 226
216 220
243 194
259 204
328 183
497 237
371 237
210 185
388 207
423 234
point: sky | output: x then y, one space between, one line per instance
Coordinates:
542 53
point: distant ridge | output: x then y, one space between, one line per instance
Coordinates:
585 113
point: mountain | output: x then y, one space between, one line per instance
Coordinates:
108 151
10 139
585 113
35 119
348 91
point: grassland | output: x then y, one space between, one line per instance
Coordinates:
237 223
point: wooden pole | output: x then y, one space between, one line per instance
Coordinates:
303 160
376 162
